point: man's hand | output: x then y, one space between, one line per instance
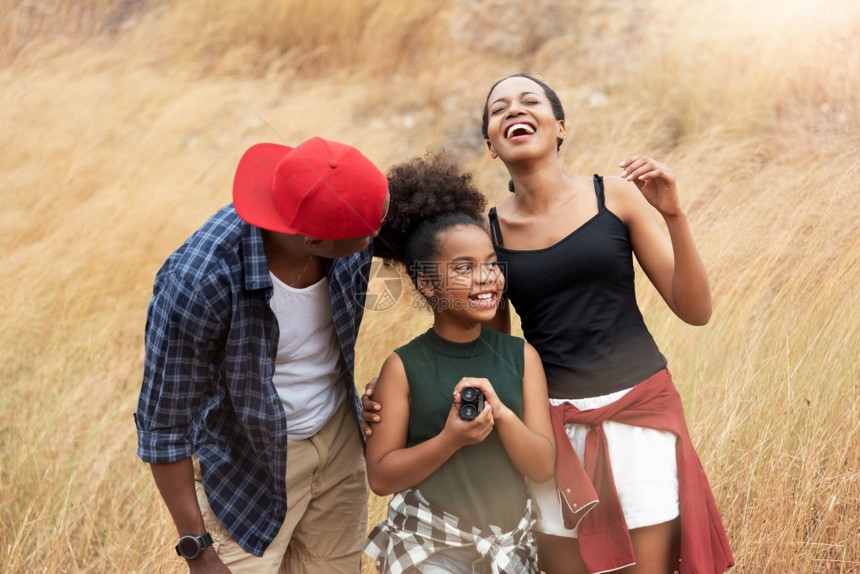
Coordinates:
207 563
369 409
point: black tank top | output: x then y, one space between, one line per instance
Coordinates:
577 303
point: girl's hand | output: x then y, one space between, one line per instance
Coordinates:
465 433
500 410
655 182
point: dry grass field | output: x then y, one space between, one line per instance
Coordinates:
122 122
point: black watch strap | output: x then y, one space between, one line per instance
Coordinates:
190 546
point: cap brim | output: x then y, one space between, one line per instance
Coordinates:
252 187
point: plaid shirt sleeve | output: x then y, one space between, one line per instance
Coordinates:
182 334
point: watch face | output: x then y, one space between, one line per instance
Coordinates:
188 547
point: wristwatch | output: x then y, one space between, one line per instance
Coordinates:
190 546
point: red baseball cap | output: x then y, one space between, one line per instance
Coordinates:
320 188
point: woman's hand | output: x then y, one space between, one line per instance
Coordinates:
655 182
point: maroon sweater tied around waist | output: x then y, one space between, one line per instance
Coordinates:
604 539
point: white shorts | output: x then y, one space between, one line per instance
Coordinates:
643 464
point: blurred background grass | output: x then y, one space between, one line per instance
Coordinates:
123 121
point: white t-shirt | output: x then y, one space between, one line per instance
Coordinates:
309 366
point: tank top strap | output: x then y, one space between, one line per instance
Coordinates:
598 191
495 228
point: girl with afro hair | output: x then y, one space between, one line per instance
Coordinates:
466 408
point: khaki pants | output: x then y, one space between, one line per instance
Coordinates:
326 521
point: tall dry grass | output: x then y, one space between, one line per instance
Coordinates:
123 122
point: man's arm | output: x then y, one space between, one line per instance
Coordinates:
175 482
172 394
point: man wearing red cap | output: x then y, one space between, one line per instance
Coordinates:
248 412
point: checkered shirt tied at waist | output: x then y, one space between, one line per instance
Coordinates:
414 531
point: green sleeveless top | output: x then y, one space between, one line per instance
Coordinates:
479 483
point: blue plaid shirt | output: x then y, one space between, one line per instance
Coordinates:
211 341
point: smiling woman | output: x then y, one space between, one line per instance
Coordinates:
569 242
528 97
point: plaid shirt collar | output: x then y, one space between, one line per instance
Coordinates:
255 265
414 531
